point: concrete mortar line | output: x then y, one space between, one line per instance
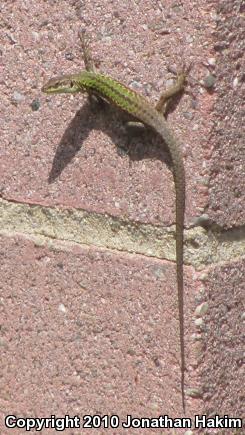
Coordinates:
202 247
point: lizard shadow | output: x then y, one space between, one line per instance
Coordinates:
143 144
69 144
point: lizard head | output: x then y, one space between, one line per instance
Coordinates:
62 85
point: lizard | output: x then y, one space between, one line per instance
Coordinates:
117 94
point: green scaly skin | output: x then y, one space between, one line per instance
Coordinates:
135 104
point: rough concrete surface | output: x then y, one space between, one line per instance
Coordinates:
89 320
82 333
224 338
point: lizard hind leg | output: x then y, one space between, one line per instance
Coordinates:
169 94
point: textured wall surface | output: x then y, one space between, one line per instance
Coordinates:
89 309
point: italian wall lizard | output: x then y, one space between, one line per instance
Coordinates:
138 106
